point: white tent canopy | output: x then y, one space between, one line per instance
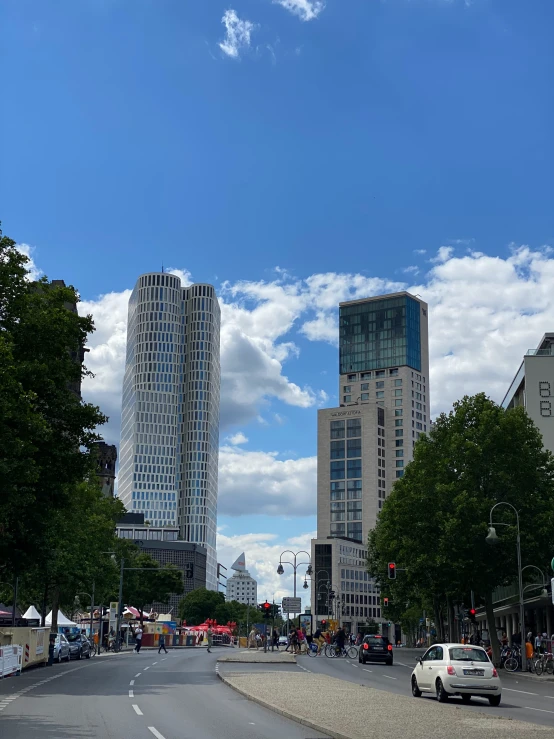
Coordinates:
62 620
31 613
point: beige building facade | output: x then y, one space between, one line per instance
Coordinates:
365 444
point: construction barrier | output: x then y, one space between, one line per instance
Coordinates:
33 641
10 660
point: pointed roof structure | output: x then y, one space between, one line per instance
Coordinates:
32 613
239 565
62 620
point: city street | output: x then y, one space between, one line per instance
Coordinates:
174 696
522 698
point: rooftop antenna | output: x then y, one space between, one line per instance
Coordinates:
162 267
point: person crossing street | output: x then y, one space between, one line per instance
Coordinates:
161 644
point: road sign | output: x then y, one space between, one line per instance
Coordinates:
552 587
292 605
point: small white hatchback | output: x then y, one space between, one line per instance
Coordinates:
456 669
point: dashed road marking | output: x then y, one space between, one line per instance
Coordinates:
146 668
390 678
303 668
154 663
542 710
366 670
138 674
132 682
513 690
137 710
156 733
131 694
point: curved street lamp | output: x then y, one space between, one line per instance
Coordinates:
294 564
492 538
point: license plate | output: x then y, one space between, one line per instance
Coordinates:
475 673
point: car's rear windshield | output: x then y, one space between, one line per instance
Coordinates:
73 637
378 641
468 654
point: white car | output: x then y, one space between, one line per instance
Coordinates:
456 669
283 641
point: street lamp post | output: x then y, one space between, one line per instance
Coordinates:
492 538
91 608
295 565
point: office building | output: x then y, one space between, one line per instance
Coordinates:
365 444
533 388
170 410
160 542
242 586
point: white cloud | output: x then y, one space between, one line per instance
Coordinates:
34 273
412 269
443 254
254 482
238 438
262 553
420 251
237 34
306 10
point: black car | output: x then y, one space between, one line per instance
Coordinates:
375 648
79 646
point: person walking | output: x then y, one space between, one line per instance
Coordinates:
138 638
275 638
161 644
252 639
210 638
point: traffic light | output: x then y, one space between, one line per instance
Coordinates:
472 615
392 570
266 608
324 624
385 602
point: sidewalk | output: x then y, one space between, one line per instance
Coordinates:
347 711
253 657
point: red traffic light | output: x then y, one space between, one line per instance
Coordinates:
392 571
324 622
385 602
267 605
472 611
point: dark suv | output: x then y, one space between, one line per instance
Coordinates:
375 648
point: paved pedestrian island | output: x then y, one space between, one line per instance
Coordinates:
344 710
258 657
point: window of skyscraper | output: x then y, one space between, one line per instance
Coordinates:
354 427
337 470
365 376
347 389
354 489
354 468
337 490
364 396
347 399
337 429
354 448
337 450
380 394
380 384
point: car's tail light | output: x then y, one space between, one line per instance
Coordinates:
450 670
365 646
390 647
494 672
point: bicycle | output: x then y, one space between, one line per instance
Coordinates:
513 662
332 650
315 649
544 663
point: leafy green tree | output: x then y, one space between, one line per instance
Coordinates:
45 429
200 604
435 521
152 583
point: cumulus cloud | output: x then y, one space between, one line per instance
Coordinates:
262 553
306 10
34 273
288 486
238 438
237 34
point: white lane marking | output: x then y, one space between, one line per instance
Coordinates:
137 710
542 710
390 678
138 674
403 665
164 659
131 694
366 670
156 733
303 668
146 668
513 690
154 663
132 682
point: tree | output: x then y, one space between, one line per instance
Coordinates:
200 604
46 430
150 584
435 521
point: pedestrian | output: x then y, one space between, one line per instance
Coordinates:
161 644
138 638
210 638
252 639
538 643
276 639
529 653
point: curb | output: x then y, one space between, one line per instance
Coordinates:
287 714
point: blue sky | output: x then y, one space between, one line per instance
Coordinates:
356 147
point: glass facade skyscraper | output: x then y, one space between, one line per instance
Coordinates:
170 410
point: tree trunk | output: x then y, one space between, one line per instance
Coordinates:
492 629
44 601
438 619
55 607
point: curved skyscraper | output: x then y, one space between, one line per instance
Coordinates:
170 409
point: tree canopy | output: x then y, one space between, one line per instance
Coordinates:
434 523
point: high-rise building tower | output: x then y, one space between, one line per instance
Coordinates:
365 444
170 412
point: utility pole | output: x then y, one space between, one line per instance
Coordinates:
119 608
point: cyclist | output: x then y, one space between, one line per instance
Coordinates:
319 640
340 638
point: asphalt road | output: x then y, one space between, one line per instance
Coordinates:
146 695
